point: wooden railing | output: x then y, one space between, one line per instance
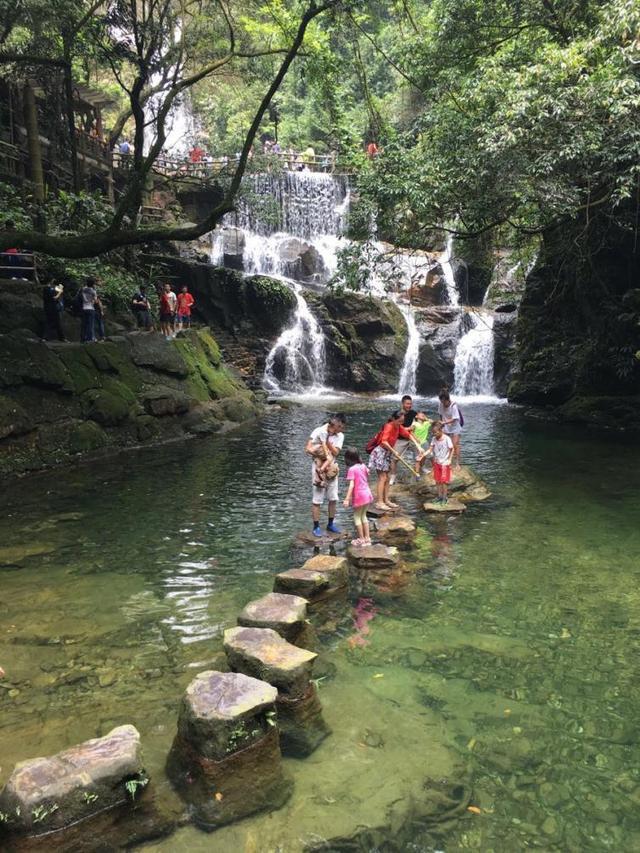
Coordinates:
209 168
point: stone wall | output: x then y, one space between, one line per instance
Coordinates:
63 400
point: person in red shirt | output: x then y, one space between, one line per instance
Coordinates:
185 303
372 150
382 455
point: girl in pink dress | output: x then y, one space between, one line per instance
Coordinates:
358 494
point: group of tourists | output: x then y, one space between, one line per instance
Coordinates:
175 310
408 438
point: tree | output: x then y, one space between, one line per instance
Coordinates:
163 48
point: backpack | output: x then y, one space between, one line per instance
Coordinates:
371 445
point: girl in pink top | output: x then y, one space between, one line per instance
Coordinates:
358 494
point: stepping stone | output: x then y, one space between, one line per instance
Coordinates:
216 704
374 512
306 539
452 506
335 568
225 760
463 479
285 614
261 652
46 794
319 578
374 557
398 530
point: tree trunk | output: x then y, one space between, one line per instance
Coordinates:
33 143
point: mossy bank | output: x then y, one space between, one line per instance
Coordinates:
64 400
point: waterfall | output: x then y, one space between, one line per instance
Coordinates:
296 361
407 381
473 367
450 280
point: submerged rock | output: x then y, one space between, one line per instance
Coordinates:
225 760
374 557
45 794
450 507
463 480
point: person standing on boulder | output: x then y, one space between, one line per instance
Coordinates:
382 455
185 304
168 303
441 450
329 437
89 297
402 444
142 309
53 304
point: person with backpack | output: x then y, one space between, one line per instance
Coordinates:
382 449
452 421
141 307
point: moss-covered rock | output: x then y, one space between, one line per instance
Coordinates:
161 401
13 419
108 407
366 339
81 368
621 413
86 436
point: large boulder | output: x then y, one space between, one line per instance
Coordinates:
301 261
45 794
365 339
440 330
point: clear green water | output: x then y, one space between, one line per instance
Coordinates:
507 660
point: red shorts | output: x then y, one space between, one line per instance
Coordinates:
441 473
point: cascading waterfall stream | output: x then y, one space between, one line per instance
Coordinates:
289 226
473 367
299 352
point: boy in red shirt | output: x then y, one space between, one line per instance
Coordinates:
185 303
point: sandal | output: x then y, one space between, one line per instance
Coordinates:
392 505
358 543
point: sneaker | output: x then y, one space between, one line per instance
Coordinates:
316 531
332 528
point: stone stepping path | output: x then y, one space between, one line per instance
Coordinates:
452 507
285 614
306 539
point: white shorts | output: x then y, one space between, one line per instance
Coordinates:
329 493
405 448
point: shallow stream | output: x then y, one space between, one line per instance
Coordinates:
502 670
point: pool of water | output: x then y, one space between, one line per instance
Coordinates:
504 663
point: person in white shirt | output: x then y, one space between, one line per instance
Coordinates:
329 437
451 421
441 451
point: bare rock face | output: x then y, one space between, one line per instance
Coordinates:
374 557
262 653
46 794
285 614
225 760
451 507
396 530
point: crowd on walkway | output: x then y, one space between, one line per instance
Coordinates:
409 438
87 304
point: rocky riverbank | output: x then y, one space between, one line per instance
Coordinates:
59 401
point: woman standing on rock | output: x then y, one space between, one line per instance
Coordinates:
383 453
451 420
